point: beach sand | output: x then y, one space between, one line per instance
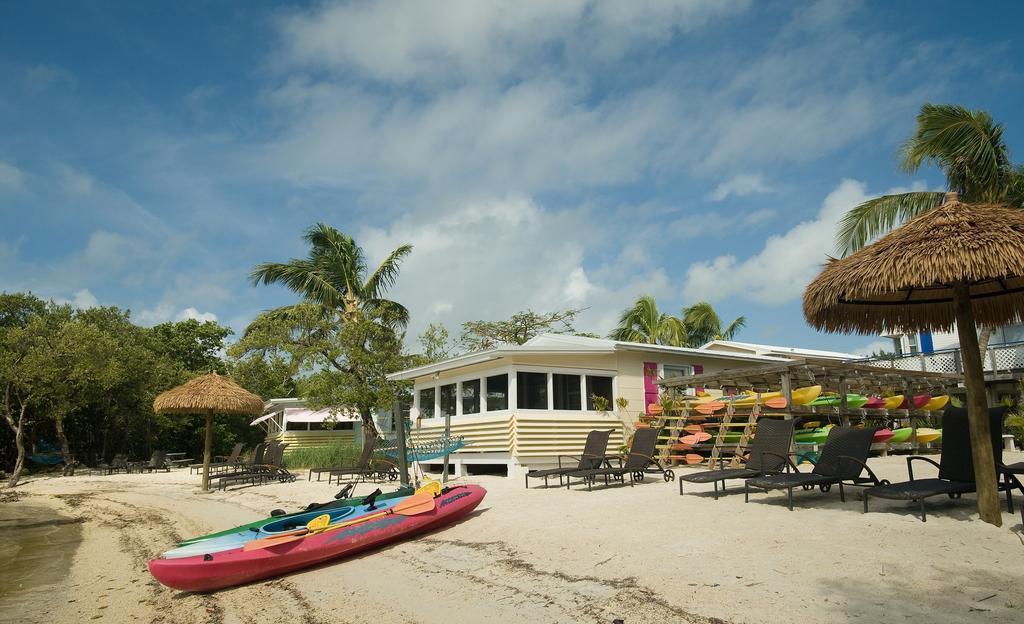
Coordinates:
643 554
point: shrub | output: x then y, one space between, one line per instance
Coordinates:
337 453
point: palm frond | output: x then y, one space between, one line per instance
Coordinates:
730 332
966 144
389 313
877 216
300 276
384 277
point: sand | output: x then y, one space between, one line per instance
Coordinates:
643 554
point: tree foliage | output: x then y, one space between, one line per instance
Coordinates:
967 146
698 324
522 326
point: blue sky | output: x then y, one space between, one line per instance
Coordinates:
537 154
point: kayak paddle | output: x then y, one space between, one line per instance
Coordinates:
412 506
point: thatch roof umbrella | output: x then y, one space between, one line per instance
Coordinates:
209 394
959 263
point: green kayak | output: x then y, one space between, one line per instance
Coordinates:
812 436
343 502
853 401
901 435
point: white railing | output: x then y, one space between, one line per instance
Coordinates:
999 359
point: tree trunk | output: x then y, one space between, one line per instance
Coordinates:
65 450
206 452
977 408
367 417
19 442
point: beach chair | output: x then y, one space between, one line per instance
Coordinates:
360 466
767 455
638 462
595 454
956 467
157 461
258 454
221 463
843 459
120 462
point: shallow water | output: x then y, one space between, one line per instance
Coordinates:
36 549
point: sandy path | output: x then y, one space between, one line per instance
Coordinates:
644 554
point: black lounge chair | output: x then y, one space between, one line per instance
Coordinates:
271 469
594 455
768 454
638 462
258 454
956 468
842 461
360 464
119 462
157 461
221 463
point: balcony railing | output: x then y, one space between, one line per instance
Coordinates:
1001 359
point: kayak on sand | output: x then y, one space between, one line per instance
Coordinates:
235 567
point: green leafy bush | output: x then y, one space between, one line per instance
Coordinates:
338 453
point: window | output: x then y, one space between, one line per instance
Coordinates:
447 400
497 393
427 403
532 390
471 396
602 387
677 370
566 392
297 426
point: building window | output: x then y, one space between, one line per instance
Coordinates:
447 400
297 426
427 403
471 396
602 387
676 370
497 393
532 390
566 392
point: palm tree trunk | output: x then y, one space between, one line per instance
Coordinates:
983 337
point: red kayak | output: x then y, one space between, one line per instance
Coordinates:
881 436
235 567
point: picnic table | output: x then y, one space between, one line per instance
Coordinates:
177 460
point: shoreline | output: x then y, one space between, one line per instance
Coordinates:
643 554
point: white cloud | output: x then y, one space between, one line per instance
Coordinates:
165 312
73 182
872 347
12 179
84 300
787 262
740 185
452 40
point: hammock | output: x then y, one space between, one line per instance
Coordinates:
422 451
49 455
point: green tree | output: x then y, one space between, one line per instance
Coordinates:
196 345
643 322
334 277
967 146
698 325
436 344
702 325
522 326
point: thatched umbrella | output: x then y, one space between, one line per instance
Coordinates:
958 264
209 394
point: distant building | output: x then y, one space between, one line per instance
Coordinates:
521 406
289 420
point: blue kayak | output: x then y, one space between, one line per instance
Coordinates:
232 541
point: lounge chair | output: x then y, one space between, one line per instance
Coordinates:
767 455
120 462
843 459
594 455
157 461
360 464
221 462
956 468
271 469
638 463
258 455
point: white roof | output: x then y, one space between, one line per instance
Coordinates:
562 344
294 412
763 349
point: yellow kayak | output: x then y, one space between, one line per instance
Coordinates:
893 402
801 396
925 435
936 403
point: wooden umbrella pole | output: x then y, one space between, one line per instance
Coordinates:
977 408
206 451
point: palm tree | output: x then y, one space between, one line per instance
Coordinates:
702 325
699 324
967 146
334 277
644 323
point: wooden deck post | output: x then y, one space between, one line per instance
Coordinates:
403 461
